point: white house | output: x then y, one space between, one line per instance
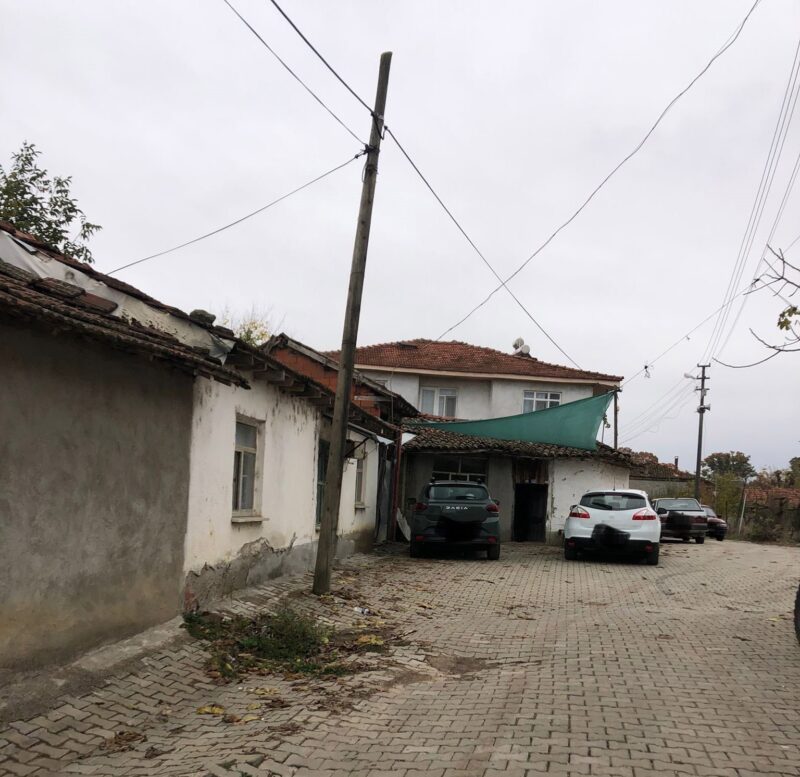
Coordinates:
536 483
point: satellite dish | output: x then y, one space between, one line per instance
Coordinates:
518 343
526 349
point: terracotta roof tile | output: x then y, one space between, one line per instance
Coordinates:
428 439
455 356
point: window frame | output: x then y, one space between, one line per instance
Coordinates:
239 452
440 393
360 501
536 396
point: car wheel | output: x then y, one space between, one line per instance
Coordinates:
415 550
797 615
652 557
720 537
570 554
493 552
699 540
686 539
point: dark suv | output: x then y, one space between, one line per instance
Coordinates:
456 513
682 518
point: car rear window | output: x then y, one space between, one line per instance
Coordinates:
709 512
613 500
679 504
465 492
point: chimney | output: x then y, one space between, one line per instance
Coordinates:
676 462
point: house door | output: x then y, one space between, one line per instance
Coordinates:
530 512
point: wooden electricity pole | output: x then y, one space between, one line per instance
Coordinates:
702 410
326 548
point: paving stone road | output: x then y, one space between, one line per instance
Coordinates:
529 665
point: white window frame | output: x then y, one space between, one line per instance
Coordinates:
440 397
240 451
361 481
539 400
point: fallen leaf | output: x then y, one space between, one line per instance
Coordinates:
230 718
249 718
370 639
211 709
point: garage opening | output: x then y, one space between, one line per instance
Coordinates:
530 512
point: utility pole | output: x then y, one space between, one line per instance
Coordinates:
701 410
326 548
616 419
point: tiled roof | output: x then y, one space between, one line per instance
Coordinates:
764 496
455 356
63 306
428 439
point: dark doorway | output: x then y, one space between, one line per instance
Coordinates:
530 512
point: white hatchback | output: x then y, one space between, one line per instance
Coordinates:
613 520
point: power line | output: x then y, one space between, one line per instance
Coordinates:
636 149
291 72
239 220
425 181
779 135
787 193
322 59
475 248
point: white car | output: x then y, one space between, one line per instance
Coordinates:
613 520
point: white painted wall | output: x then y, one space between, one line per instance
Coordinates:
478 397
286 473
570 479
507 395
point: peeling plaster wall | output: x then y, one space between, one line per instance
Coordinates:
570 479
94 473
223 552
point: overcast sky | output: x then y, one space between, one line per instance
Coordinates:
173 120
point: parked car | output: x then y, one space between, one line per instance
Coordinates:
456 513
682 518
613 520
717 527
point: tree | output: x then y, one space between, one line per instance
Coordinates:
43 206
794 472
732 463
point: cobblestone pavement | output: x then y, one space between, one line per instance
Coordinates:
524 666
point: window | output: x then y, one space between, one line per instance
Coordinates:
613 500
540 400
450 493
460 468
438 401
322 473
361 481
244 467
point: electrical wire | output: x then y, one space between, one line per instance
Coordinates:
322 59
239 220
608 177
291 72
787 193
475 247
779 134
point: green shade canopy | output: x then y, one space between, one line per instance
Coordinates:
572 425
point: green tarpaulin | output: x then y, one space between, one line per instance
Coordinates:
572 425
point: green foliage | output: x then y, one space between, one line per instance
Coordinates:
283 642
731 463
43 206
785 319
793 475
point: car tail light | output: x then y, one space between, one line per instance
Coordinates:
645 514
579 512
419 538
492 508
492 540
698 519
420 507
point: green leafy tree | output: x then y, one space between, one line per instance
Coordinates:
43 206
732 463
793 473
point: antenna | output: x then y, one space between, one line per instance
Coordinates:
518 343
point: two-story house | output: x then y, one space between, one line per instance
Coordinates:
536 483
